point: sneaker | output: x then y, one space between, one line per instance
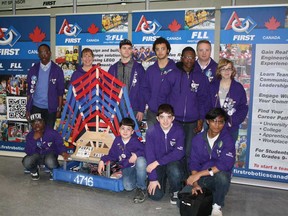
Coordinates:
35 176
216 210
51 175
174 198
140 196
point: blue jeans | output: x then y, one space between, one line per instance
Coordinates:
219 185
189 134
135 177
32 162
174 172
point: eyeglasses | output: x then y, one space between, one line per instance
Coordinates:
188 57
220 122
226 69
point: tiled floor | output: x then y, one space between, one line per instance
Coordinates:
19 195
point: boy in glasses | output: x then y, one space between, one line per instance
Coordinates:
212 159
43 145
164 150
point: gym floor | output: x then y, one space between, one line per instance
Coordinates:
19 195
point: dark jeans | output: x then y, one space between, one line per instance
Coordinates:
32 162
49 118
219 185
151 118
174 173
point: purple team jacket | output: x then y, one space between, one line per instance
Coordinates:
164 148
209 71
187 94
121 153
50 142
154 79
236 106
56 86
222 154
137 79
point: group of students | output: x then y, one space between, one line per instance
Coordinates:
183 99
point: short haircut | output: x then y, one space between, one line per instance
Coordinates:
203 41
87 50
161 40
216 112
45 45
165 108
127 122
222 63
186 49
125 42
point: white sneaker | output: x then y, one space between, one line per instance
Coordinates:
216 210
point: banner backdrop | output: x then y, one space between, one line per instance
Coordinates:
180 27
20 37
256 41
99 32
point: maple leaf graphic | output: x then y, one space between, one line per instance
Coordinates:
1 33
273 24
93 29
174 26
37 36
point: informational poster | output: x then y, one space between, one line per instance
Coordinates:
100 32
257 43
20 37
180 27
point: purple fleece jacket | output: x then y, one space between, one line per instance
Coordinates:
187 94
154 79
121 153
56 86
238 110
209 71
137 79
222 154
164 148
50 142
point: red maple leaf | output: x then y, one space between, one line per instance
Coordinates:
93 29
37 36
174 26
1 33
273 24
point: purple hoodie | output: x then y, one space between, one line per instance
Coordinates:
164 148
222 154
122 153
51 141
237 109
209 71
187 93
78 73
56 86
137 79
154 79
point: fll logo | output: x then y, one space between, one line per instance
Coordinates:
148 27
9 36
69 29
240 24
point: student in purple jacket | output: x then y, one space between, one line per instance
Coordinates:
164 150
43 145
155 74
229 94
87 57
129 152
187 92
212 160
45 87
131 73
205 64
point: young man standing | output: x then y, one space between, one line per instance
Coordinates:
205 64
155 74
132 74
45 87
212 160
164 151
